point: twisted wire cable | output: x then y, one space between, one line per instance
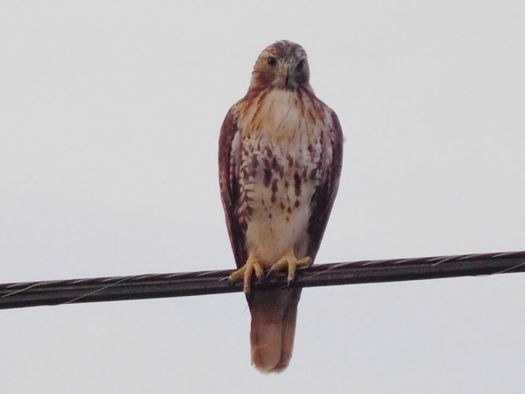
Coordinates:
70 291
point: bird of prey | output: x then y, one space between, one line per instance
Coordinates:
280 154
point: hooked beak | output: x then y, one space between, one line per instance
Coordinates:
287 76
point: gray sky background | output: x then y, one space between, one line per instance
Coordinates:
109 121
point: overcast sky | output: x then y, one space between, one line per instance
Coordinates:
109 119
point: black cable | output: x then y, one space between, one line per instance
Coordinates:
57 292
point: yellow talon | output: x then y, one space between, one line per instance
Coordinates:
246 273
291 263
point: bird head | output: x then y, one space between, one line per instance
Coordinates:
282 65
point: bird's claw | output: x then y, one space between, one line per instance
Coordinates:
290 263
246 272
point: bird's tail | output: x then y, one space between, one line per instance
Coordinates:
272 334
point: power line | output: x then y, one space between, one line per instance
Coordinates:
58 292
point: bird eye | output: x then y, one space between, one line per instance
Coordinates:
272 62
299 66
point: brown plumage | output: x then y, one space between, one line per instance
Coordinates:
280 154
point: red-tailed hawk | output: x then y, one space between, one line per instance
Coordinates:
280 153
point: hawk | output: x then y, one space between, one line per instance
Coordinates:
280 154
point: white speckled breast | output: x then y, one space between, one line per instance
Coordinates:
284 144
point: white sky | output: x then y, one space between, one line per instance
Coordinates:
109 120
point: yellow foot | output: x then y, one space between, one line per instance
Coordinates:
290 262
246 273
